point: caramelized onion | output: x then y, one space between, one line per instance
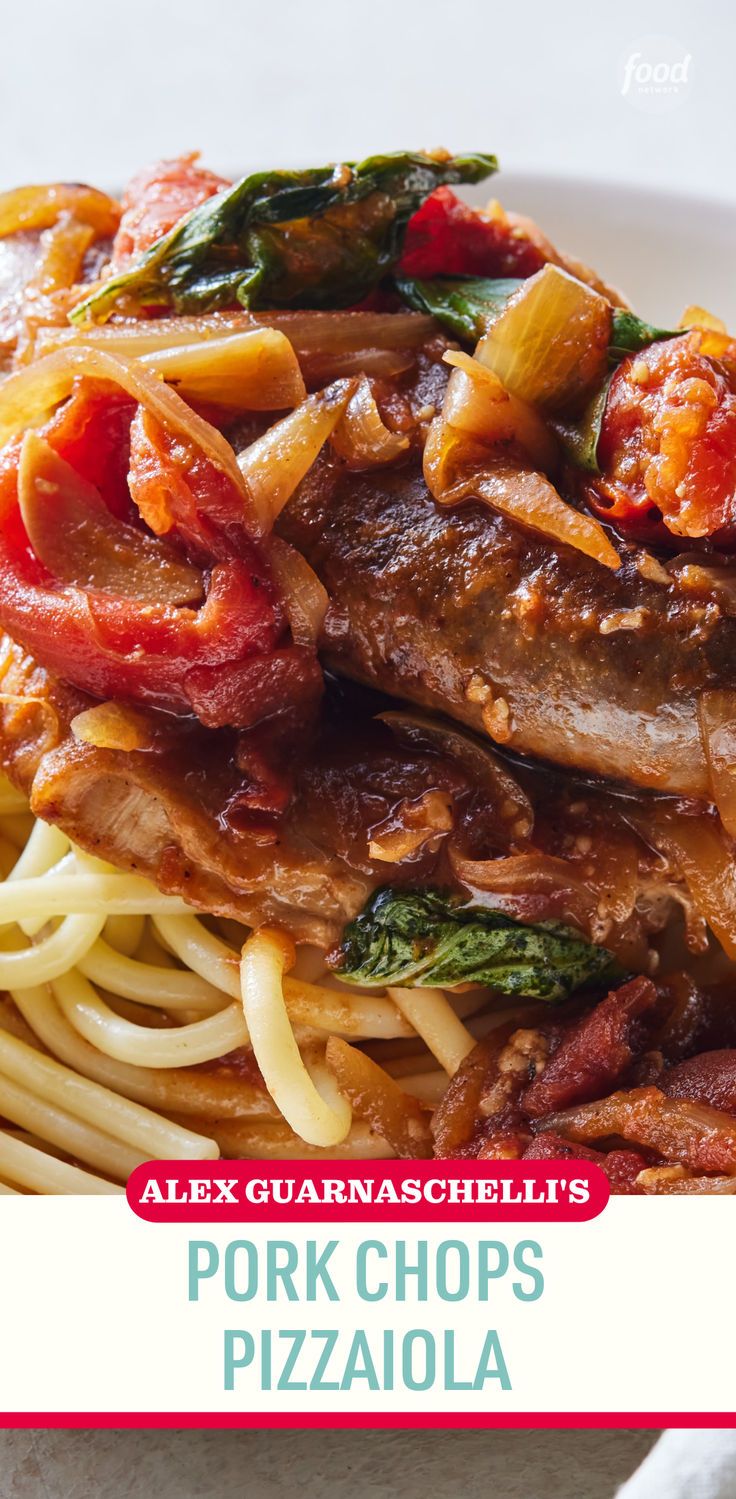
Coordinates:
376 1097
40 207
698 317
457 469
448 455
549 345
717 714
614 864
256 370
712 335
699 848
478 404
305 599
28 395
656 1180
82 544
534 887
318 334
62 252
361 437
693 574
275 464
345 332
386 364
514 809
112 726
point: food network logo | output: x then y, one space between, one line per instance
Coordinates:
655 74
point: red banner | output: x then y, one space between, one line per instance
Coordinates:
454 1191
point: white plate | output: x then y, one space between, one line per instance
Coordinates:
664 251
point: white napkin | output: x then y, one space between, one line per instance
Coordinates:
686 1465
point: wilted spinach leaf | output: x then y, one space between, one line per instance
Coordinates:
321 237
466 305
426 938
630 333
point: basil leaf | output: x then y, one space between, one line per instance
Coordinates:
423 938
467 305
316 238
630 333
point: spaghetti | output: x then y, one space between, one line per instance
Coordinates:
134 1030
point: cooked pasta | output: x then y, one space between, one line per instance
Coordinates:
134 1030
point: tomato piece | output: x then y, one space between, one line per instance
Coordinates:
245 692
445 237
178 490
667 449
115 647
91 431
229 661
157 198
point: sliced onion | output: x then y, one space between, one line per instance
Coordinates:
375 1096
717 714
256 370
513 806
305 599
345 332
549 345
535 887
361 437
275 464
112 726
82 544
386 364
319 334
456 468
40 207
613 862
477 403
28 395
707 864
62 251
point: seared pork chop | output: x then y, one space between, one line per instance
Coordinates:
158 812
469 613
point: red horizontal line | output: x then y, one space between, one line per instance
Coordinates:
361 1420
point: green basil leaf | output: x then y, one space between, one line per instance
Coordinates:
426 938
630 333
316 238
466 305
580 438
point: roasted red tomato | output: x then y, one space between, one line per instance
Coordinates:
667 449
229 661
447 238
155 200
178 491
